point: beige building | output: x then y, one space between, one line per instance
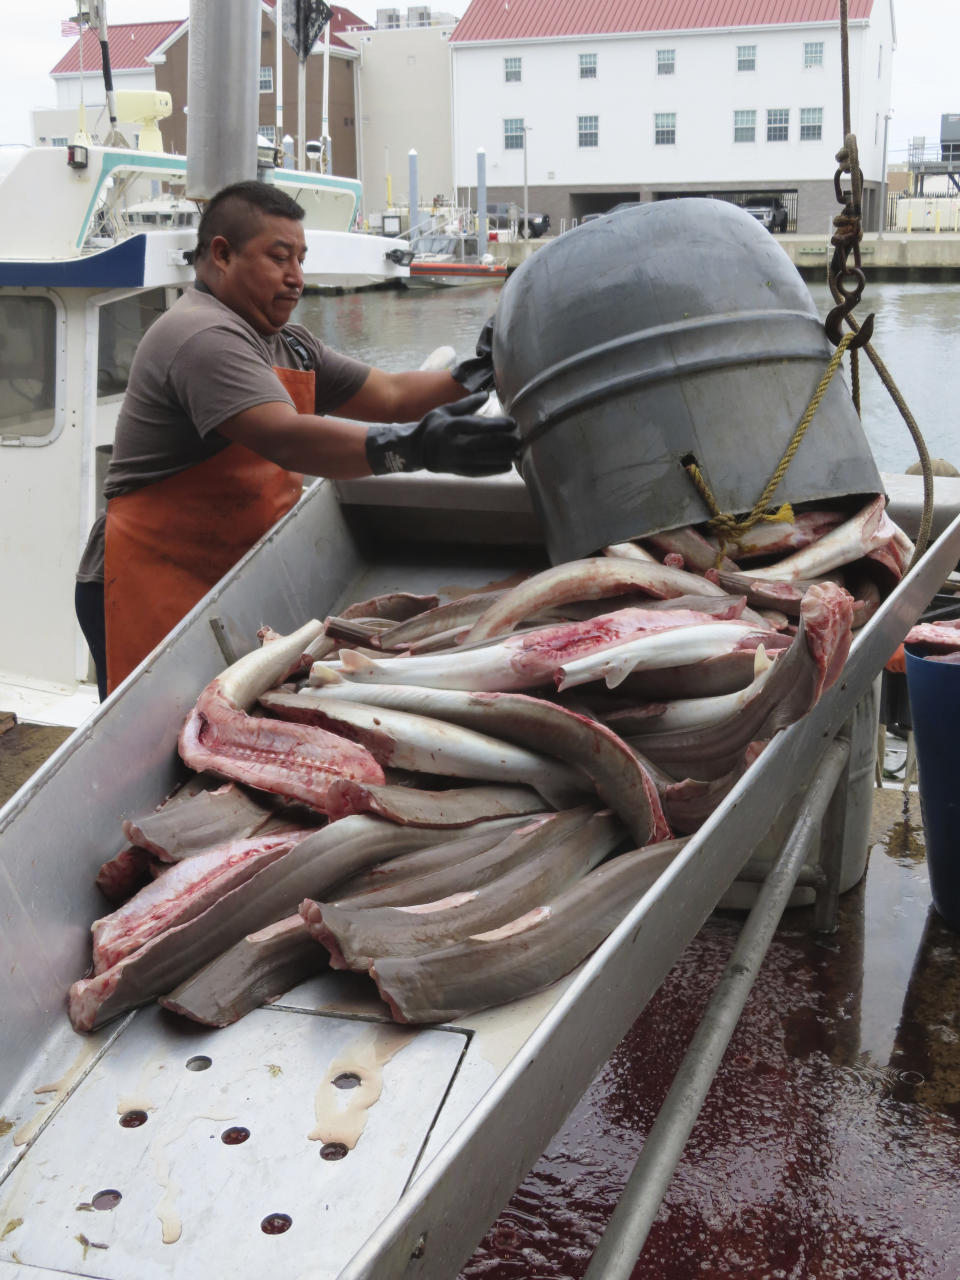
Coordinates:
404 104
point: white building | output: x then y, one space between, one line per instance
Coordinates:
643 99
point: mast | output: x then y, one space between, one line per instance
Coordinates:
98 20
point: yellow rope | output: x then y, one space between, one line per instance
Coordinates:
728 527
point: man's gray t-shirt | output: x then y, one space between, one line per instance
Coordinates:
197 366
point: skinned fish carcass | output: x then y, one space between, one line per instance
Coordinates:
356 934
317 863
526 954
400 740
781 695
183 891
521 662
621 781
294 761
591 579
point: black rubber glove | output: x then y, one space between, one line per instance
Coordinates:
453 437
476 374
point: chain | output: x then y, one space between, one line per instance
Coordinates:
847 282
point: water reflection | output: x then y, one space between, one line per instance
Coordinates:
916 335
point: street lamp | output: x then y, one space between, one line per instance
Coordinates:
883 178
526 211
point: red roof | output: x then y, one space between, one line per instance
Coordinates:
541 19
341 20
129 45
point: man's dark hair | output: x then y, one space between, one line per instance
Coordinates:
236 211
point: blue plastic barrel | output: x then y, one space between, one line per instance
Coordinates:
934 689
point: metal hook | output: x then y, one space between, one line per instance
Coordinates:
833 326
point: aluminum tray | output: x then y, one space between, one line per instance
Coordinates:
464 1110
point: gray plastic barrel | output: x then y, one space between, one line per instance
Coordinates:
672 330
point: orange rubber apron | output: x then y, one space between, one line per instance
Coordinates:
168 543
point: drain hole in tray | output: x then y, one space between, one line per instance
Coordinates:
333 1151
133 1119
347 1080
235 1135
106 1199
274 1224
199 1063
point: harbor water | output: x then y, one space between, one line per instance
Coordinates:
916 334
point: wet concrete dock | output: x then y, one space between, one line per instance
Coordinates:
829 1144
23 749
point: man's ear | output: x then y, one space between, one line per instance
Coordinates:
219 251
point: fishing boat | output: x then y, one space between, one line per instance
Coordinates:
443 259
95 245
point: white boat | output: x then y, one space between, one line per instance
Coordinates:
93 246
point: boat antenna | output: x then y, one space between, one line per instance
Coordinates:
98 20
81 138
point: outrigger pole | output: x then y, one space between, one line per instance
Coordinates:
98 20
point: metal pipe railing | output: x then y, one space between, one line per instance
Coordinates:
626 1233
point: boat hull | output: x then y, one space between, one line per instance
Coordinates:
442 275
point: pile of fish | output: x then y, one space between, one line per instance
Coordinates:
463 799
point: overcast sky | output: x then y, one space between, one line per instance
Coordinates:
925 85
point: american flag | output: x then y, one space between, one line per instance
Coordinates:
69 27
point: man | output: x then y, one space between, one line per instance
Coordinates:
224 412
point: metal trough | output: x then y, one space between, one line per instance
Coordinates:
89 1187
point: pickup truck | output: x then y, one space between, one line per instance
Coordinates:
502 216
769 211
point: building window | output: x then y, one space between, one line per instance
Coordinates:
666 62
880 62
512 69
811 124
746 57
588 131
268 131
59 142
744 126
778 124
266 79
513 134
588 66
813 53
665 128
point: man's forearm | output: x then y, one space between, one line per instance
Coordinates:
400 397
304 442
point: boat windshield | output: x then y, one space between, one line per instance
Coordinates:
458 247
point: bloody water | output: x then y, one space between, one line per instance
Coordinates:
829 1145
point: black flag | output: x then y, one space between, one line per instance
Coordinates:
303 20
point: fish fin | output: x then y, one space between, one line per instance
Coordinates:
357 665
761 662
320 674
617 674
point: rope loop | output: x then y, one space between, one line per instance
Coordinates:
728 528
